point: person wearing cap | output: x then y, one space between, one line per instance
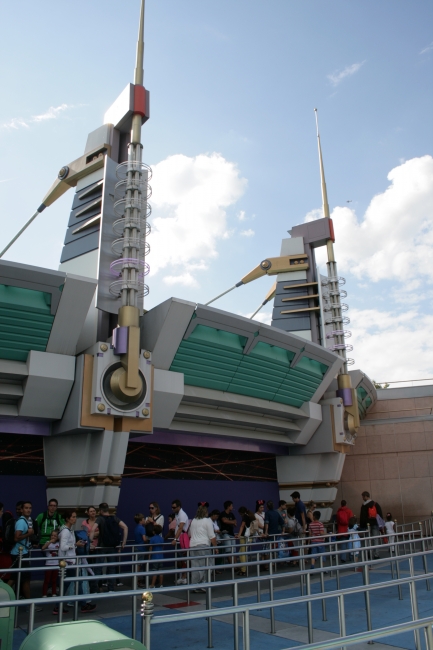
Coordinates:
300 510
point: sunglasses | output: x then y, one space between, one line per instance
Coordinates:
151 507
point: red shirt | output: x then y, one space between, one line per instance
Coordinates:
317 531
347 513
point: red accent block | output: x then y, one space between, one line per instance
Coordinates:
331 230
178 605
140 100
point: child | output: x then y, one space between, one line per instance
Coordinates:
355 541
140 537
390 530
317 536
51 549
156 555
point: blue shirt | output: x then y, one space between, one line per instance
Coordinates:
22 526
139 531
275 522
299 509
156 543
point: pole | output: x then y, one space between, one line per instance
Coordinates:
20 559
31 619
235 617
146 613
414 604
62 569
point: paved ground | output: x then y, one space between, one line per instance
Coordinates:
291 621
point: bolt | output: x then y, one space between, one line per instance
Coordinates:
101 407
145 411
146 354
103 347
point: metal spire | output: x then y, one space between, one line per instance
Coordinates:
325 204
139 72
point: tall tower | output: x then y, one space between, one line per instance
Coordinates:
106 240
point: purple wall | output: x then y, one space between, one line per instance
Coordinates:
137 493
19 488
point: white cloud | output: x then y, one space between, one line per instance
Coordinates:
51 114
336 77
313 215
190 198
429 48
242 215
263 316
394 238
247 233
185 279
392 346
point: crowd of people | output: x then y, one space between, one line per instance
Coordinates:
210 537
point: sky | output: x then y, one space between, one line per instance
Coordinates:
232 144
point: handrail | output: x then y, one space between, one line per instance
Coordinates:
372 635
335 551
224 583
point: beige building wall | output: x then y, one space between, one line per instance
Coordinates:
393 455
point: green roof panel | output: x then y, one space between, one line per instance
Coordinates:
214 358
25 321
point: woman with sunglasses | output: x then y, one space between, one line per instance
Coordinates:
155 516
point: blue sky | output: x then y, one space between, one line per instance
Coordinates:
232 142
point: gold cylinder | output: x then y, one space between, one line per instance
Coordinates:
344 381
129 317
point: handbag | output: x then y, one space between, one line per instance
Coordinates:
184 540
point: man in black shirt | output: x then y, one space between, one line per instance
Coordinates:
227 524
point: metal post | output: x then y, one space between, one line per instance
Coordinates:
309 611
62 570
322 587
134 603
235 617
337 564
20 559
368 542
209 606
342 617
366 577
146 613
259 600
77 587
247 630
397 548
188 578
271 592
414 604
429 637
302 565
425 564
147 577
31 618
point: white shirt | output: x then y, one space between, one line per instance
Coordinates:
181 517
389 527
201 532
159 519
67 545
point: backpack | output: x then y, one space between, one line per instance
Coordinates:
82 536
372 512
9 533
254 528
343 518
111 532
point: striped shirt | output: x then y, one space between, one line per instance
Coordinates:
317 531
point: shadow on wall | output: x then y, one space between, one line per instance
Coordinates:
21 488
137 494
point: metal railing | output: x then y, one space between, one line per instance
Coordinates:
400 546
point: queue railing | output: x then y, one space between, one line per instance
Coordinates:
269 547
